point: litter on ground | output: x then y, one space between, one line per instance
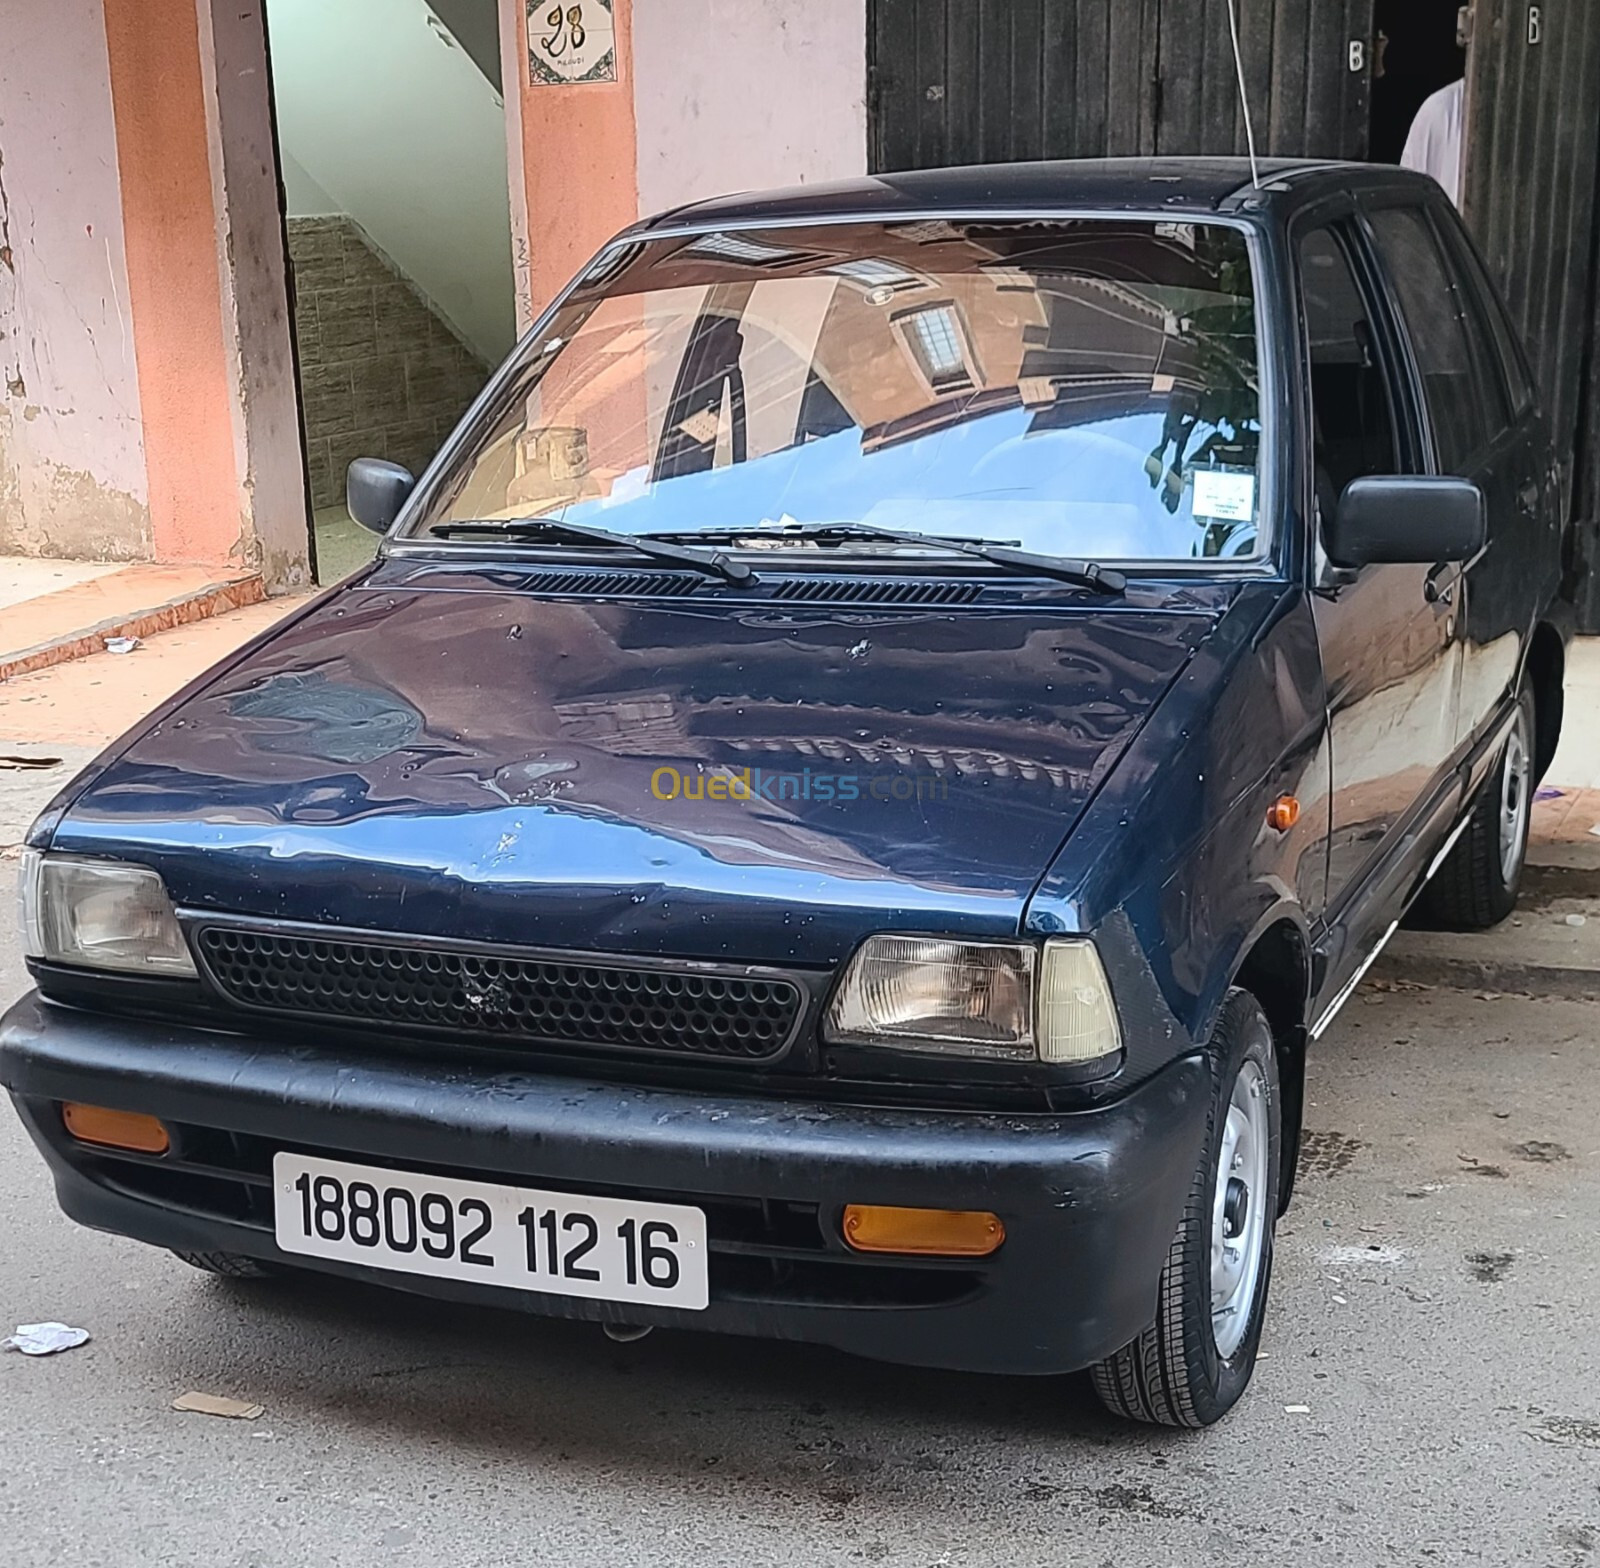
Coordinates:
45 1339
217 1405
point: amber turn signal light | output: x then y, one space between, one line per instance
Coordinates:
115 1129
933 1233
1283 813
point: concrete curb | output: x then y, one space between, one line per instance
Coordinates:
1488 974
211 600
1545 880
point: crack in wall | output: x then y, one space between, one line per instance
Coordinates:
5 220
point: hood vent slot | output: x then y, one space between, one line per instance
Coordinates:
604 584
612 585
892 590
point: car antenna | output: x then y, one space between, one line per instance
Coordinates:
1244 97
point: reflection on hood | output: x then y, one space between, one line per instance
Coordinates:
337 722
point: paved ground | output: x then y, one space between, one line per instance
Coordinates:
1434 1309
91 701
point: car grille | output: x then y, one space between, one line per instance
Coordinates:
581 1004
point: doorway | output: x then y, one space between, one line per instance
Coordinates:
392 150
1417 43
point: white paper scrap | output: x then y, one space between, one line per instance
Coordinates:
45 1339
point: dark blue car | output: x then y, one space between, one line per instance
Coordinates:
850 786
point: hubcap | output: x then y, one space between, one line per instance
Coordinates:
1238 1210
1515 801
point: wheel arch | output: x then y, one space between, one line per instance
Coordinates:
1546 675
1275 968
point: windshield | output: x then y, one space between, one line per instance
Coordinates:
1083 387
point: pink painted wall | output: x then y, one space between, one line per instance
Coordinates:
72 472
712 96
732 95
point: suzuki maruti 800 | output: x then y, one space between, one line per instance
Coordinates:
851 785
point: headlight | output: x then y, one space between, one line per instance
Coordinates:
1008 1001
100 914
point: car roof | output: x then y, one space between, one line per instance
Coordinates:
1189 185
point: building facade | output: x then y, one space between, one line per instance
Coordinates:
166 388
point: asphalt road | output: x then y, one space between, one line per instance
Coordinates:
1434 1307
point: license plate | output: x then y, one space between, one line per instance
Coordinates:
562 1243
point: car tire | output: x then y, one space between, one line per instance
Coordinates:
1190 1366
1478 883
229 1265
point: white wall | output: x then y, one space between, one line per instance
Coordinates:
302 196
394 125
72 474
734 95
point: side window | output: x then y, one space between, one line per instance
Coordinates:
1493 310
1460 379
1352 418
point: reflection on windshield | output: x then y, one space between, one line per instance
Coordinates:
1085 388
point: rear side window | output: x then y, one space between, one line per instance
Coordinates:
1352 420
1494 312
1460 374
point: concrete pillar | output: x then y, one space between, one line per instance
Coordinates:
578 152
205 269
264 403
513 71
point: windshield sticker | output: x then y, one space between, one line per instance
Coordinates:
1229 498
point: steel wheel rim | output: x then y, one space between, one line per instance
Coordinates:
1515 801
1239 1210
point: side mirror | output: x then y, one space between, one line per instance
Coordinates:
374 492
1406 519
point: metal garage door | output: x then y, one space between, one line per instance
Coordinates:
977 81
1533 158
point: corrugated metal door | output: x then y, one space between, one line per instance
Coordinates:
1533 160
981 81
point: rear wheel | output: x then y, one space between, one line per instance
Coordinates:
1192 1364
1477 885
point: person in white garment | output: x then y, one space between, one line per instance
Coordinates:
1434 145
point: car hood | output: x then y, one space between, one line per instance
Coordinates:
446 752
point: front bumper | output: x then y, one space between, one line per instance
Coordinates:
1090 1200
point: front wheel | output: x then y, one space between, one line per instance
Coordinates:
230 1265
1192 1364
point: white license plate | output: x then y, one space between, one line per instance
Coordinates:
607 1249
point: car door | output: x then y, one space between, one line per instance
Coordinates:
1477 434
1521 570
1388 633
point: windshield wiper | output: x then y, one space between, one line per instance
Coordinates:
712 562
1085 573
